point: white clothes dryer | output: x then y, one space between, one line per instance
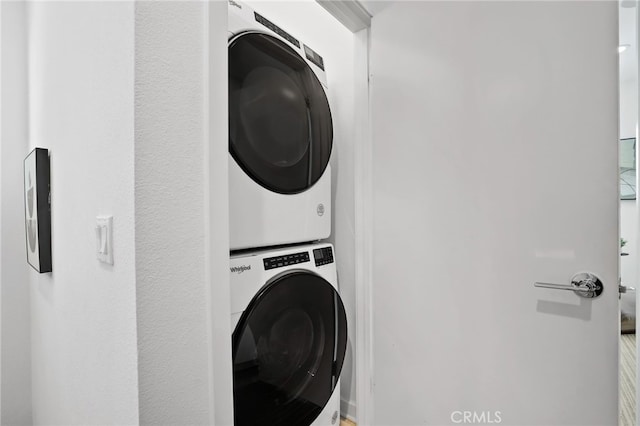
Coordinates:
280 135
289 338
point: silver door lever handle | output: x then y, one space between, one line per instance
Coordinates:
583 284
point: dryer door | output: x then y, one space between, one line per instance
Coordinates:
288 350
280 128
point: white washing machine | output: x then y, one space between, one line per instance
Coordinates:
280 135
289 339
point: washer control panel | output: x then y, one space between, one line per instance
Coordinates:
323 256
289 259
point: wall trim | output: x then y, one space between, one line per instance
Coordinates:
216 225
349 12
363 232
348 409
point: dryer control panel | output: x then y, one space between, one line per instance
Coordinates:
289 259
276 29
323 256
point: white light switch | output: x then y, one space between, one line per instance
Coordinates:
104 239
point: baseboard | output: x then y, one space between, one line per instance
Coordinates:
348 410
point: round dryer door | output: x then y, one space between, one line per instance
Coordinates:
288 350
280 128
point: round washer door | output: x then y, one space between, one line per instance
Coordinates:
288 351
280 127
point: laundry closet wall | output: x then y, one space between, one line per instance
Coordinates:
308 21
134 114
182 241
15 371
83 314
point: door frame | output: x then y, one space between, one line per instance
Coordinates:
364 362
357 19
637 237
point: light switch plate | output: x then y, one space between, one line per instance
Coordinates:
104 239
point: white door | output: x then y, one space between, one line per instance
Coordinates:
495 133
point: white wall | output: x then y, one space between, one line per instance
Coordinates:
181 213
15 371
628 109
109 88
83 314
335 43
93 68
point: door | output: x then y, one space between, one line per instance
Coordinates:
280 128
288 351
494 164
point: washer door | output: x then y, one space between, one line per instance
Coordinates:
280 128
288 351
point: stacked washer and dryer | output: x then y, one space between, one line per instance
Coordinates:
290 328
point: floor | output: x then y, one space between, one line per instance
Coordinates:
346 422
627 380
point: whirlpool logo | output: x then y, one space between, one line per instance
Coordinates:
240 269
233 3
